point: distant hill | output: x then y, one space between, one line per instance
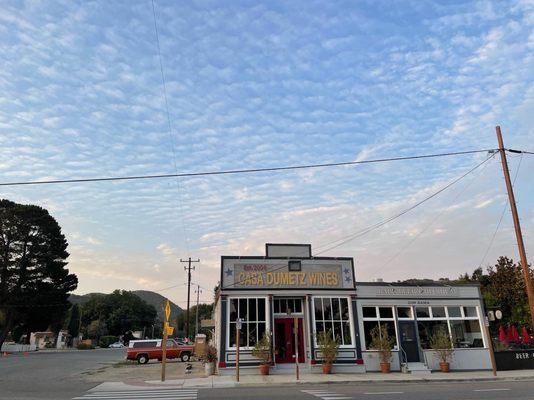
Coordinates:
153 298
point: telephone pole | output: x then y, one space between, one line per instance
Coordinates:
517 225
198 291
188 269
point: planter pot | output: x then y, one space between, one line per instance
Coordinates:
327 369
385 367
209 368
264 369
444 366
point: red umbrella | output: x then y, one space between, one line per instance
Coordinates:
502 335
509 334
515 334
526 336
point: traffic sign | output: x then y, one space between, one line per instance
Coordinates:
167 310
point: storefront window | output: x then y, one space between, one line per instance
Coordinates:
333 314
404 312
454 312
422 312
282 306
429 328
253 325
438 312
466 333
372 316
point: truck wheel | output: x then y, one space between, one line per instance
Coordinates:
142 359
185 357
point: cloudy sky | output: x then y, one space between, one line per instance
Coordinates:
260 84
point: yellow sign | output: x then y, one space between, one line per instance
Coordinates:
170 330
167 310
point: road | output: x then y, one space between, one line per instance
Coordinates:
47 375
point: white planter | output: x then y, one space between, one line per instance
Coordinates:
209 368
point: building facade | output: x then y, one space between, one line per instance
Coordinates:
289 288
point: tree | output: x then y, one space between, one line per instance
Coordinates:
204 312
74 321
34 280
120 312
96 329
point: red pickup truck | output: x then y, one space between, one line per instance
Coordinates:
145 350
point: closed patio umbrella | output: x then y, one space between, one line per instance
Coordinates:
526 336
502 335
509 334
515 334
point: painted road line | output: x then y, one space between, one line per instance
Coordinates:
383 392
326 395
491 390
142 394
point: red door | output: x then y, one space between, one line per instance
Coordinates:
284 340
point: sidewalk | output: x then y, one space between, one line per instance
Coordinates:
279 380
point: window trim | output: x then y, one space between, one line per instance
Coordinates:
267 319
350 320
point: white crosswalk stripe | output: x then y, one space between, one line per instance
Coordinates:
326 395
142 394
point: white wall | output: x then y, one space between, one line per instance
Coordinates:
371 360
463 359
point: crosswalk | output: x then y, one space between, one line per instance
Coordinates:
326 395
142 394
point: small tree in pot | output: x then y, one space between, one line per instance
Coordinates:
262 350
441 343
209 358
329 348
381 341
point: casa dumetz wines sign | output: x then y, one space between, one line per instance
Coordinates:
252 275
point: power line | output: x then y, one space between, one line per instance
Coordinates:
241 171
371 228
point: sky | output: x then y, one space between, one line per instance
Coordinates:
261 84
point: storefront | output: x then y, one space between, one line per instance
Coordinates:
268 294
413 314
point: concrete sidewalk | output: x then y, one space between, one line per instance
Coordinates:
280 380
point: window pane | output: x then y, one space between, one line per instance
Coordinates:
252 334
252 309
319 327
347 339
337 331
466 334
454 312
335 310
243 309
369 312
385 312
283 306
367 328
429 328
290 306
327 304
298 305
261 329
276 306
344 309
438 312
233 309
243 335
391 330
232 334
318 309
470 311
422 312
404 312
261 309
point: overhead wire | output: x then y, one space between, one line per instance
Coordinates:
241 171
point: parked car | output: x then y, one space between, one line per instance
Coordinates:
116 345
145 350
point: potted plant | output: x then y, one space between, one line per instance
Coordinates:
329 348
262 350
441 343
210 357
381 341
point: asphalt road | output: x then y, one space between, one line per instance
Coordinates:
46 375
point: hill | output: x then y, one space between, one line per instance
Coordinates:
153 298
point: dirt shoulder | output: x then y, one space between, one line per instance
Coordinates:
125 371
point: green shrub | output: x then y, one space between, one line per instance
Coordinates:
85 346
328 346
105 341
381 341
441 343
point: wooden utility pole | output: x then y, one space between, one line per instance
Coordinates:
196 319
188 269
517 225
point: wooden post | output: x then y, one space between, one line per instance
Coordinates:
164 352
237 329
517 226
296 332
490 346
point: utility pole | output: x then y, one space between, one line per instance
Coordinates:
198 291
518 234
188 269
